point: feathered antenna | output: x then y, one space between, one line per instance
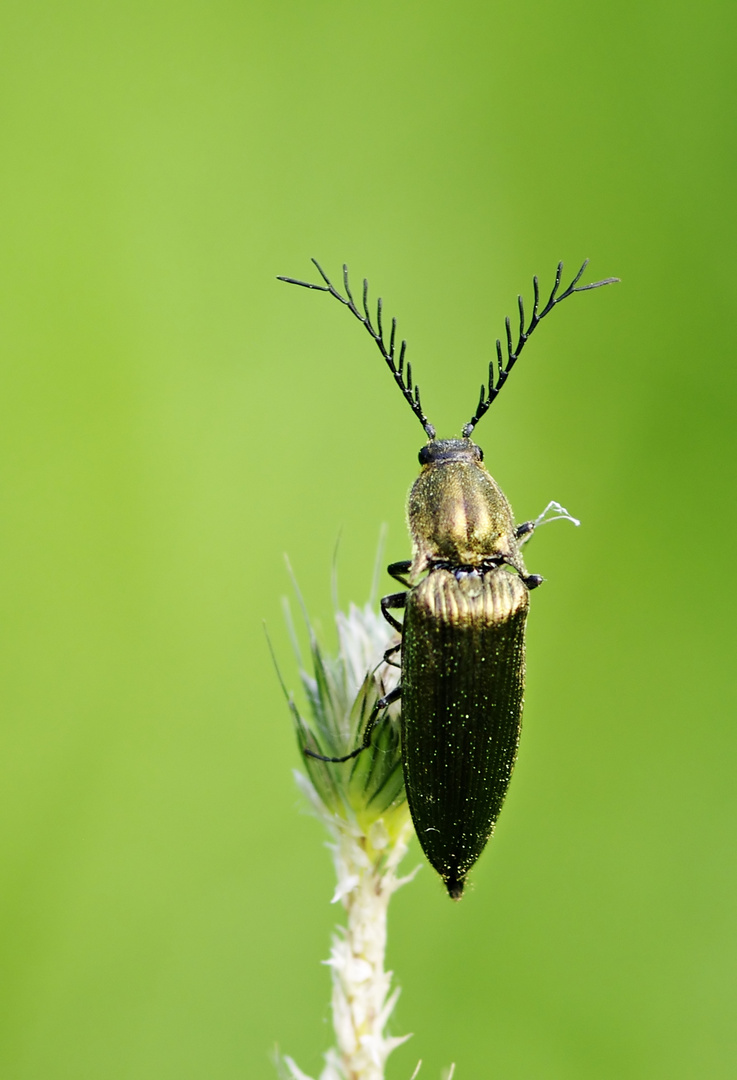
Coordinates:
411 393
497 380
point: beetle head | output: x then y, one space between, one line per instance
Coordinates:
441 450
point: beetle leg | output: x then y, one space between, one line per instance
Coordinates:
397 570
401 567
390 652
335 760
517 563
393 600
387 699
533 580
380 705
525 530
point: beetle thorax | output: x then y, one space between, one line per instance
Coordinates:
457 513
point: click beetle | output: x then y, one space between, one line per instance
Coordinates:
465 602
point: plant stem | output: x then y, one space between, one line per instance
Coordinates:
365 866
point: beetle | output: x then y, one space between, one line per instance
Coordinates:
465 602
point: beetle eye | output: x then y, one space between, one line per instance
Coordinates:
424 455
481 454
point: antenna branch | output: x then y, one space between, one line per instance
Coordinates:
410 393
498 378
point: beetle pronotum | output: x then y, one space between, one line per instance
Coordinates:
465 607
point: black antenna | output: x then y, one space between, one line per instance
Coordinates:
497 382
411 394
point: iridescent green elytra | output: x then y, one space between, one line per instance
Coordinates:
465 602
463 656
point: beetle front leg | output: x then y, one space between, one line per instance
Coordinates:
526 529
398 570
533 580
395 600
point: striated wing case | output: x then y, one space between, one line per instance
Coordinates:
463 667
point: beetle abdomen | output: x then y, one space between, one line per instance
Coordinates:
463 665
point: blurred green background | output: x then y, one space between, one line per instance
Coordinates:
174 420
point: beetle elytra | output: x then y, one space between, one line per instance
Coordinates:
465 602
